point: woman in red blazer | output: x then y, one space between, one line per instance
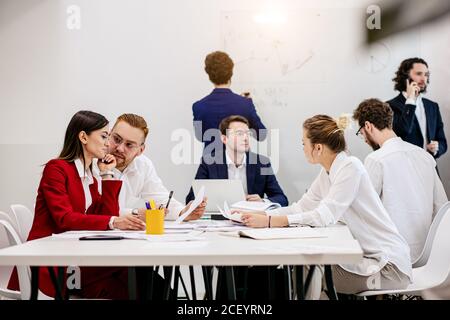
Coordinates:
69 199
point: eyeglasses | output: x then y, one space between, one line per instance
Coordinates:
118 140
359 133
240 133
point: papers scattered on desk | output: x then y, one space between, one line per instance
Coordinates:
279 233
204 225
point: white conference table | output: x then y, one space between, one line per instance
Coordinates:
338 247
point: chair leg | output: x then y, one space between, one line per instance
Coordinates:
192 277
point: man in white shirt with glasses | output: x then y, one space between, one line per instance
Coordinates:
140 182
404 175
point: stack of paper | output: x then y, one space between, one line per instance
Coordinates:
255 205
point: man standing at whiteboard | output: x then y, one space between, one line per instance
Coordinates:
417 120
221 103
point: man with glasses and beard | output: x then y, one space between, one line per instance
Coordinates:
403 175
417 120
137 172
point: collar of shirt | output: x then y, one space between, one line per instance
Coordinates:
391 140
337 164
129 170
231 163
84 174
418 98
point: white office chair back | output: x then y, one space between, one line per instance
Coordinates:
24 219
438 265
4 292
22 271
424 256
5 217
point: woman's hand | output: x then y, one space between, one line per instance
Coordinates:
128 222
198 212
255 220
107 163
254 197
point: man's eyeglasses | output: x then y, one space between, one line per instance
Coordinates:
118 140
241 133
359 133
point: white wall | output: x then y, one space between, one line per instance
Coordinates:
147 57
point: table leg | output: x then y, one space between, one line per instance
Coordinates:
231 288
167 280
330 285
56 282
34 283
299 278
208 282
132 283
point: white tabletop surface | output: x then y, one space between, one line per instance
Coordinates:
339 247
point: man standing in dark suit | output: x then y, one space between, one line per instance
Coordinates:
237 162
222 102
417 120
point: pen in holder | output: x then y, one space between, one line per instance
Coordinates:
154 221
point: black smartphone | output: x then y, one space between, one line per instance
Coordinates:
101 237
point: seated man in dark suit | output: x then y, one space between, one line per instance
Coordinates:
237 162
258 179
417 120
221 103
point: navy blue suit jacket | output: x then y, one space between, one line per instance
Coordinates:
220 104
257 183
406 125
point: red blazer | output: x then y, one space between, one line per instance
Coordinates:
61 206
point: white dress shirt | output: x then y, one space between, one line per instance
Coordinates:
86 180
140 183
346 194
405 177
237 173
420 115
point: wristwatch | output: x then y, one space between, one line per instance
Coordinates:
135 211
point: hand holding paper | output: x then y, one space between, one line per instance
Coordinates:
199 198
227 213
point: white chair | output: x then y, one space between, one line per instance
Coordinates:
5 292
23 272
435 272
423 258
24 220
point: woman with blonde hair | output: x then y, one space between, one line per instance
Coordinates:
343 192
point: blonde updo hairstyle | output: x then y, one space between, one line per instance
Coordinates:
323 129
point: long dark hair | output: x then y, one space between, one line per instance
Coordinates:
86 121
402 73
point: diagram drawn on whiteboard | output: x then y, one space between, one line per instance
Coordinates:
284 54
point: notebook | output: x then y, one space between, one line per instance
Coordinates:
280 233
255 205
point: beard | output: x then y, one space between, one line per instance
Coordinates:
375 146
424 90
